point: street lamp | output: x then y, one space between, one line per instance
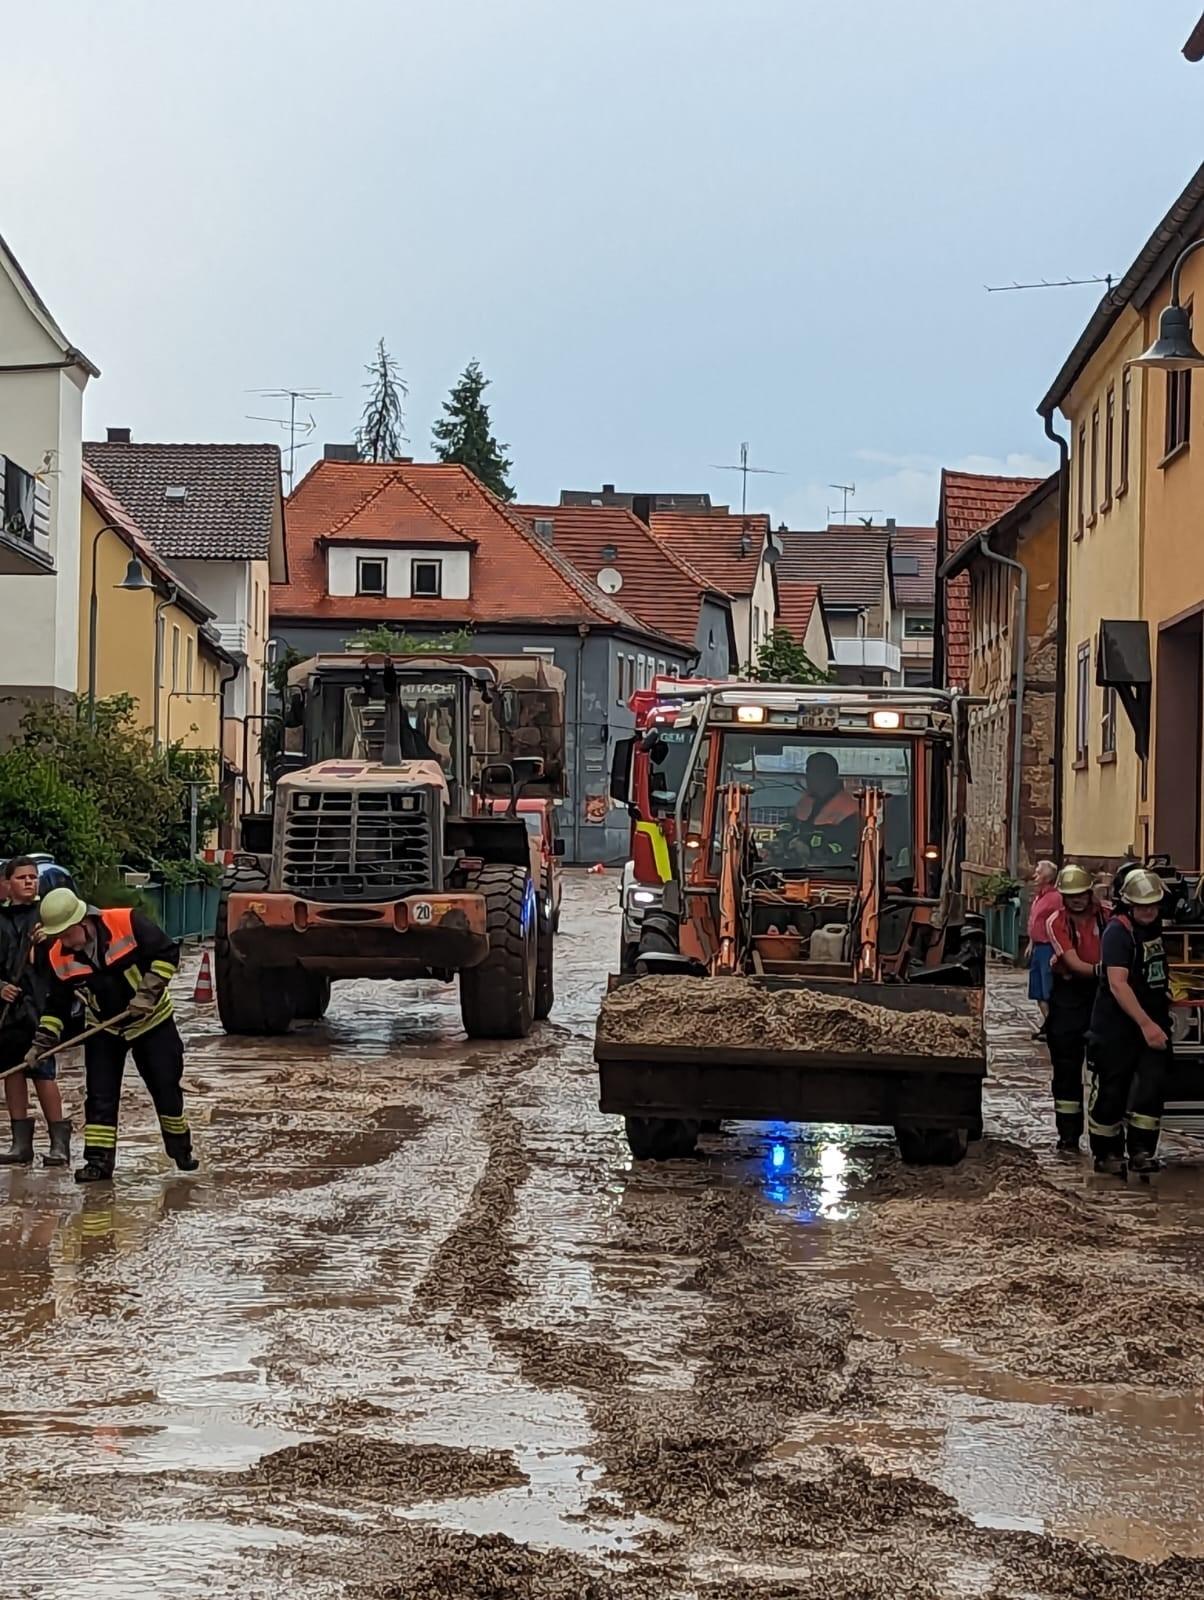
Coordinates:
1173 350
135 578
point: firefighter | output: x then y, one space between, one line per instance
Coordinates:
23 984
1073 931
826 825
1130 1032
121 964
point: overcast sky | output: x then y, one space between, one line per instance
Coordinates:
663 226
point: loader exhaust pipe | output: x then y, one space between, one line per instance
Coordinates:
391 754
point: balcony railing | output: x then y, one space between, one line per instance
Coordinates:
880 655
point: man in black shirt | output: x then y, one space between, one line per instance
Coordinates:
23 984
1130 1031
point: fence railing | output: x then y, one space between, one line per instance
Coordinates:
189 912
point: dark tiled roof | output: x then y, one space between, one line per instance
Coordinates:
228 510
659 585
848 563
914 547
114 513
969 501
517 578
713 545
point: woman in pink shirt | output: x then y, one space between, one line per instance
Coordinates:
1046 900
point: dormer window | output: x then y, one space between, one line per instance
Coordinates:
426 579
370 576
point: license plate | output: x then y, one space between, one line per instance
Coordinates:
422 911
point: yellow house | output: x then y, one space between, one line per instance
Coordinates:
1135 572
181 701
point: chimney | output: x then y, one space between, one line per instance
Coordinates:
340 452
641 506
891 526
117 435
608 488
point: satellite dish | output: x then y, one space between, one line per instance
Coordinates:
610 580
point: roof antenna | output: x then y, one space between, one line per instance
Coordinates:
1046 283
744 469
847 490
290 424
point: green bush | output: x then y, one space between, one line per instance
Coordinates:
40 809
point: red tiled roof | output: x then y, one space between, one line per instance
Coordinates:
796 606
659 585
712 546
915 589
969 501
516 577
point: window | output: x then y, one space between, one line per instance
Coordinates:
756 624
1082 701
369 575
18 501
1082 480
175 658
426 579
660 667
1178 408
1109 436
1094 463
1107 726
619 700
641 682
918 625
188 665
1126 407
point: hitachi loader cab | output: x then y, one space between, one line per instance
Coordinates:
386 854
815 846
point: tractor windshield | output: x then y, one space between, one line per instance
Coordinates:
803 808
667 762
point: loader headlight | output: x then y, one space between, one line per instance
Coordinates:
750 713
886 719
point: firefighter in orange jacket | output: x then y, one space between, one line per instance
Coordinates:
121 964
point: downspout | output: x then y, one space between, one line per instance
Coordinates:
223 684
1059 765
1019 651
578 763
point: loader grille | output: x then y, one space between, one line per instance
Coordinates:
342 844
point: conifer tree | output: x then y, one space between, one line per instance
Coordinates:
464 434
381 432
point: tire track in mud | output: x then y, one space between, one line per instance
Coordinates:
472 1274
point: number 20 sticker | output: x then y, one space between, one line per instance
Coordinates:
422 911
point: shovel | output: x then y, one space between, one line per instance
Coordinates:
80 1038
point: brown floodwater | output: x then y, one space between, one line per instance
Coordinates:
676 1375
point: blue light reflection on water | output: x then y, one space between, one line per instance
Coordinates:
808 1181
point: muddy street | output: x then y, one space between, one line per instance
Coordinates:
420 1327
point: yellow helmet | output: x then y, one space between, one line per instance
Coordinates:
1142 888
61 909
1074 880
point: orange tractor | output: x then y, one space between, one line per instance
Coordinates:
817 845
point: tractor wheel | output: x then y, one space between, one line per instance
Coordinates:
545 952
312 995
248 1001
932 1147
497 997
661 1138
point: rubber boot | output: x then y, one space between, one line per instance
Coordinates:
21 1153
1143 1163
59 1154
93 1172
179 1148
1114 1166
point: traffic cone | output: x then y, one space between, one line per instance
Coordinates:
598 866
202 995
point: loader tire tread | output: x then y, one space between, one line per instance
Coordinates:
246 1002
497 997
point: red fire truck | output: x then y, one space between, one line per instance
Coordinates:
645 773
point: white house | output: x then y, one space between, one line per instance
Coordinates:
42 382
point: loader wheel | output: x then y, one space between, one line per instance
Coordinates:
661 1138
932 1147
248 1000
497 998
312 995
545 952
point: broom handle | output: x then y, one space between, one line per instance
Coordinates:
80 1038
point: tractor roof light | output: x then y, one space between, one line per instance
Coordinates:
750 713
886 719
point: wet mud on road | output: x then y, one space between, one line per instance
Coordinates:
420 1327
